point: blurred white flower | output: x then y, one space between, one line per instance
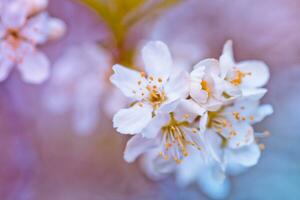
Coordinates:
77 84
156 90
169 134
20 32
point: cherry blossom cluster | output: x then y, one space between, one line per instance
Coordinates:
198 124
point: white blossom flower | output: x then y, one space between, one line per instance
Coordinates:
249 76
171 134
231 147
208 88
159 88
78 85
19 35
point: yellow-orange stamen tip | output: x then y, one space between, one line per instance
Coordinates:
143 74
262 146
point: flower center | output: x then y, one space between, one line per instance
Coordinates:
13 38
156 97
205 87
224 124
175 140
238 77
151 90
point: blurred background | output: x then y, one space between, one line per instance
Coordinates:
57 140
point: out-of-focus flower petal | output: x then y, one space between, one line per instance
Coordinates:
262 112
35 68
136 146
36 28
56 28
5 67
133 120
214 143
14 14
214 183
35 6
157 59
247 156
155 167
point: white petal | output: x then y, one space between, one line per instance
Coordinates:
36 28
178 85
244 135
214 142
154 127
132 120
36 5
213 104
5 66
188 110
262 112
188 171
35 68
23 50
157 59
126 80
14 14
136 146
211 66
56 28
230 89
196 91
203 122
155 167
259 73
214 183
226 59
254 94
247 156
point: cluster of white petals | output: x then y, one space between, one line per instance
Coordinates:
198 124
23 25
